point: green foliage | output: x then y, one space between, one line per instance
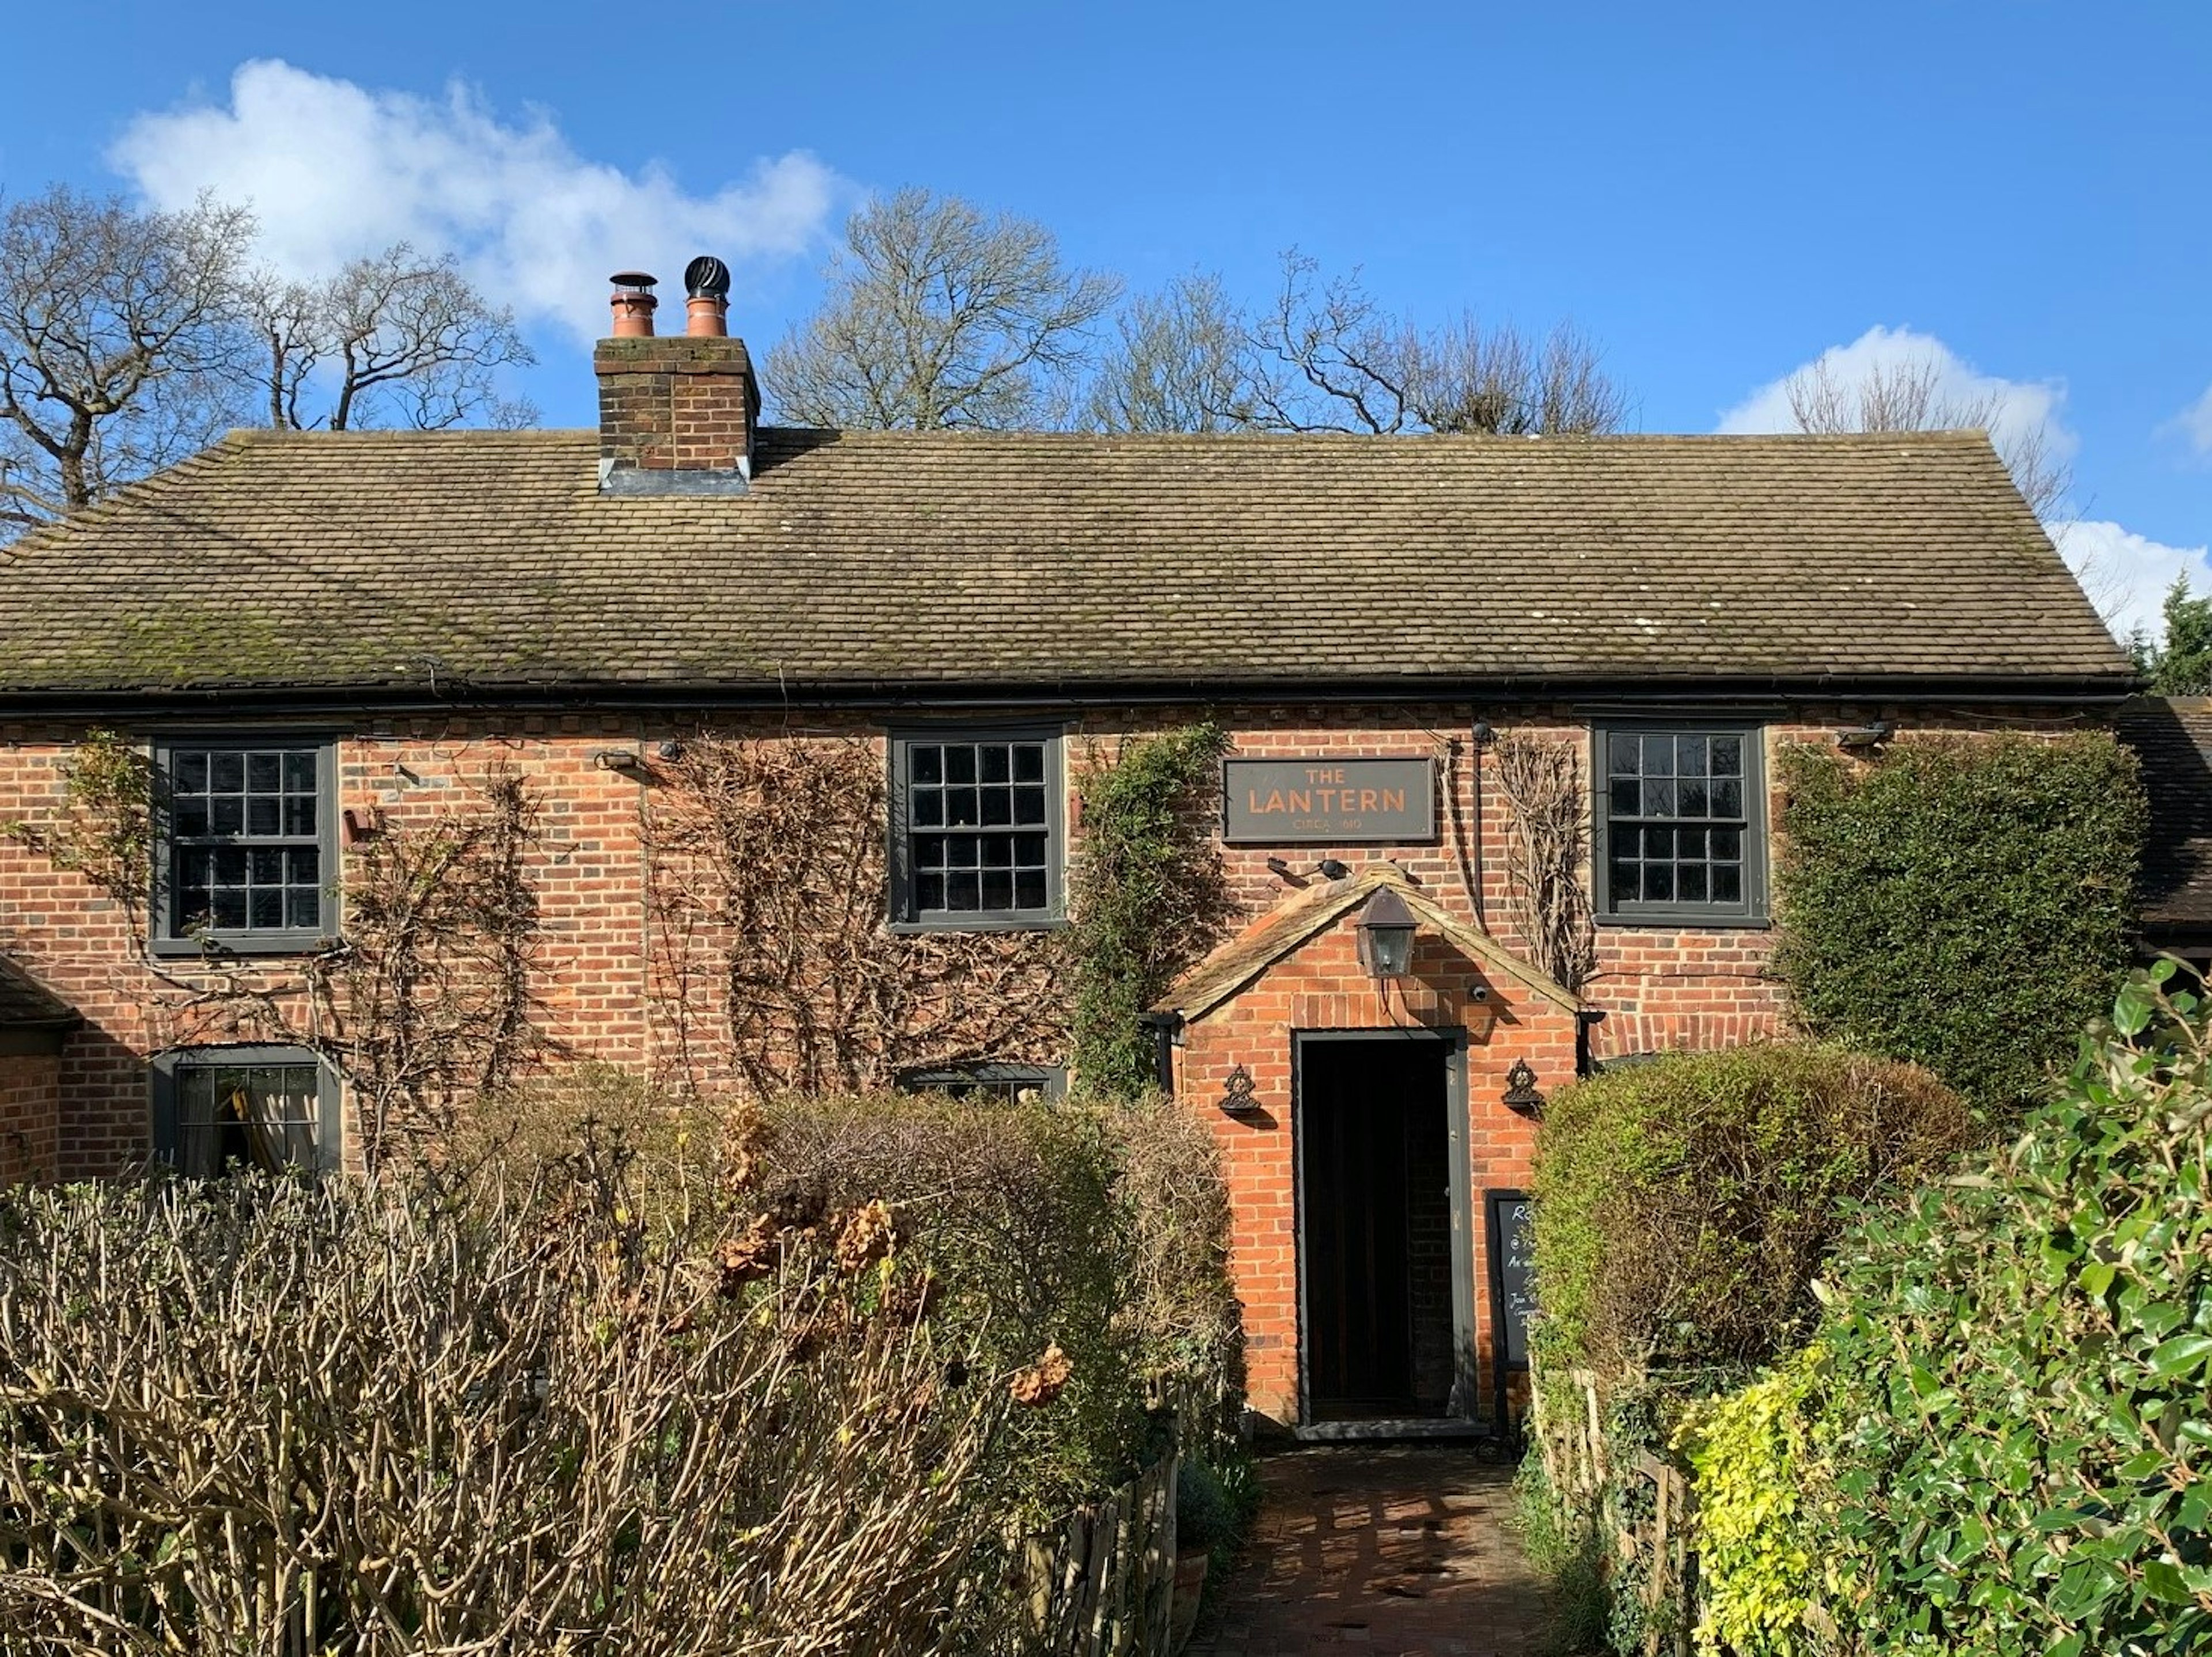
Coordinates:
1684 1204
2018 1364
1149 897
1568 1559
2181 665
105 833
1204 1516
1759 1476
1962 902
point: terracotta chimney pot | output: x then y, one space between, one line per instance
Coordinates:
633 305
707 316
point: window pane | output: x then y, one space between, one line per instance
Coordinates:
1658 883
998 851
1727 798
1621 755
962 807
229 908
228 863
998 805
1690 844
928 808
304 907
1627 880
1627 795
1728 884
1692 797
307 865
265 907
1690 882
1659 843
191 773
189 818
998 889
300 773
227 772
1658 798
997 763
264 773
226 815
265 865
1689 757
1029 889
928 761
962 893
1029 761
1728 756
960 764
1727 845
929 891
1029 851
1028 805
300 815
929 852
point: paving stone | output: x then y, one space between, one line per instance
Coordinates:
1401 1549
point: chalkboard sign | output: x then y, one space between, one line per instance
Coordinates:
1512 1282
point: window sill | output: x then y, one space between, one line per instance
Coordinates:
981 924
1686 920
221 944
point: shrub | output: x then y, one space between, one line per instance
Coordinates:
1149 897
264 1416
2017 1372
1759 1482
1961 902
1684 1204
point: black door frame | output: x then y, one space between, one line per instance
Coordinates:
1464 1404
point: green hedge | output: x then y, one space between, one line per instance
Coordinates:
1683 1204
2018 1376
1962 902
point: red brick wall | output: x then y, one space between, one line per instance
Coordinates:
30 1115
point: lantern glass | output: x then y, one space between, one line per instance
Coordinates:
1389 950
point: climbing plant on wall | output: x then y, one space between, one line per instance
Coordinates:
1149 896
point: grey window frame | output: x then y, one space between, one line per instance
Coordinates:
1049 1080
905 916
1753 912
329 1096
287 940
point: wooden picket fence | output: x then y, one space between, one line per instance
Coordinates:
1654 1550
1104 1584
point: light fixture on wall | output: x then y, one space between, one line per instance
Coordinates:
624 761
1386 936
1866 735
1237 1097
1521 1092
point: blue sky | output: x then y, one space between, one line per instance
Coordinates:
1717 193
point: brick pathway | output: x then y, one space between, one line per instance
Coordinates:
1395 1549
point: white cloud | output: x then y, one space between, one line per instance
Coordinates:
2023 409
334 170
2126 575
2195 424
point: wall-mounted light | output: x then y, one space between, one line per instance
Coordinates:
623 760
671 750
1385 929
1239 1098
1521 1092
359 823
1866 735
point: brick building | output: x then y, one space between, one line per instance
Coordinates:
320 639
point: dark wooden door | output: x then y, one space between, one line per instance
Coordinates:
1368 1112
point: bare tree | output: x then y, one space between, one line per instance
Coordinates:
116 344
940 315
1325 356
1909 396
1181 364
399 339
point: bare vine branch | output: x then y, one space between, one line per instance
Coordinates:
1547 842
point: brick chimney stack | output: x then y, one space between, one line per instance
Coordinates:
677 414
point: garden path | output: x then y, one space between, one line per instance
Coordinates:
1389 1549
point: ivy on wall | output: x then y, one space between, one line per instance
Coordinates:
105 830
1965 902
1149 895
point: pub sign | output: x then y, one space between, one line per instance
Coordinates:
1327 802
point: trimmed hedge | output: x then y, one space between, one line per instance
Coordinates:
2018 1369
1684 1204
1963 902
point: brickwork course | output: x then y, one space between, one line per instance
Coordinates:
437 606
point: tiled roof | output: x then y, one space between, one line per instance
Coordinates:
487 560
1237 960
25 1005
2173 736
